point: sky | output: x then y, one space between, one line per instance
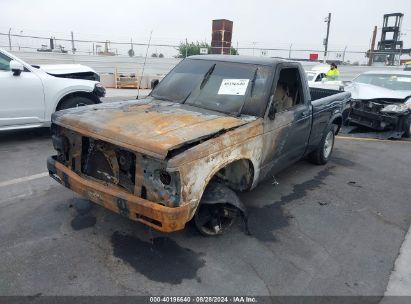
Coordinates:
257 23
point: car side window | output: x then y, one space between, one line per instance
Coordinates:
319 77
4 62
288 90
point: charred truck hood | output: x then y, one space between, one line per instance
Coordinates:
151 127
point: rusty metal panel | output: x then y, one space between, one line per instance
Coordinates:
152 129
115 199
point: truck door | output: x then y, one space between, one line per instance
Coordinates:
286 132
21 97
302 111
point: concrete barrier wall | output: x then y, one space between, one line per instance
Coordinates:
106 65
154 68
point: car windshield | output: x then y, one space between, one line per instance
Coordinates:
310 76
227 87
388 81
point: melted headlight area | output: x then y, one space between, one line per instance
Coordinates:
138 174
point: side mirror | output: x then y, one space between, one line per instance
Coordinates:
16 67
273 109
154 83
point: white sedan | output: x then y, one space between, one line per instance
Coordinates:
381 100
29 95
317 78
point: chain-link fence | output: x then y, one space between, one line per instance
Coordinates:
70 44
153 59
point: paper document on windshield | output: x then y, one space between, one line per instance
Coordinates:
233 86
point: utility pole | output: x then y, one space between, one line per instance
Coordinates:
73 49
222 42
144 66
343 57
328 20
289 51
10 39
371 53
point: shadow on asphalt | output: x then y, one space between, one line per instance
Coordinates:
364 132
24 134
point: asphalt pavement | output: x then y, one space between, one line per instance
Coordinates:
322 230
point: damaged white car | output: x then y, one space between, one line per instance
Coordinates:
30 94
75 71
381 100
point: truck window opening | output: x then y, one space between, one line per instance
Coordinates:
287 92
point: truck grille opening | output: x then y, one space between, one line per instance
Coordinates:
150 220
108 163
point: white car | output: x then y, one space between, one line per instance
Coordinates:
29 95
381 100
317 78
314 76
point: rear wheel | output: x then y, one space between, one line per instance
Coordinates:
323 152
74 102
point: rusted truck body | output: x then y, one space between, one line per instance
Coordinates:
213 126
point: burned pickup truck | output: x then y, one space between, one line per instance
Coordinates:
213 126
381 100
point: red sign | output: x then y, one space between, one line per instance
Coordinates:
313 56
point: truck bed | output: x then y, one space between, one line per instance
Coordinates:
321 98
325 103
318 93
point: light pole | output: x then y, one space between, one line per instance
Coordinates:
328 20
18 41
10 39
343 56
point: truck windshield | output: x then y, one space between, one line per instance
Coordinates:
388 81
226 87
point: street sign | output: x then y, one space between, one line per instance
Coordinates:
203 51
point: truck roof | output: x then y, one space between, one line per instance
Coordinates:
239 59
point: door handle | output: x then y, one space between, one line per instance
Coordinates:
304 113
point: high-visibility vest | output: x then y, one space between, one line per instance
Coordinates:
333 74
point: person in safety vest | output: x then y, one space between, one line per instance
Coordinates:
333 73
